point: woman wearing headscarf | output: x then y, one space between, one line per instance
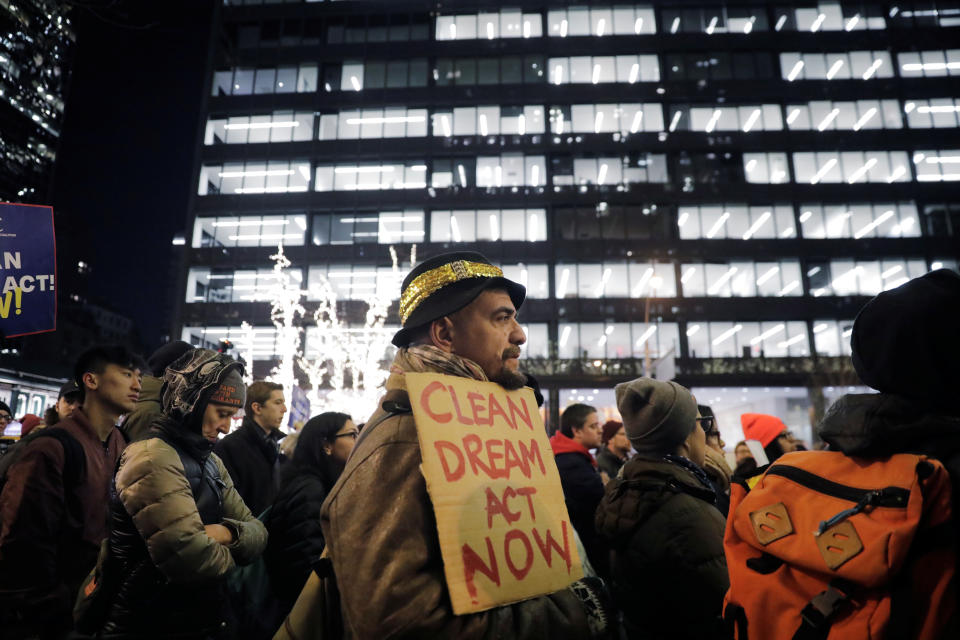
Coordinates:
178 524
669 574
296 540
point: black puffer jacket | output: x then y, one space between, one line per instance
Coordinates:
296 539
254 463
669 573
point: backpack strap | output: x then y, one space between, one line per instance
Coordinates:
74 459
392 409
817 617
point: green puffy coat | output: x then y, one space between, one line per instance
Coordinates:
136 425
669 573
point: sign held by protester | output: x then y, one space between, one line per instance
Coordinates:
505 534
28 268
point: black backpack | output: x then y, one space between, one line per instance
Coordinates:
74 461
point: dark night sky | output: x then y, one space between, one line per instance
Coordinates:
123 173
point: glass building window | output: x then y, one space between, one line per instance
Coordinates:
859 220
606 118
846 65
851 167
385 227
604 69
488 120
635 168
860 277
712 118
364 177
829 16
943 13
616 279
941 219
718 65
941 165
824 115
488 225
832 337
589 340
620 20
937 113
249 231
611 222
489 71
510 170
390 122
279 126
741 279
532 276
489 26
929 64
715 20
353 282
378 74
258 342
766 168
736 221
747 339
229 285
275 176
242 81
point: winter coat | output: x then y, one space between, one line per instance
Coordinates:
582 491
50 534
296 539
669 574
137 424
381 535
253 461
608 462
169 573
720 475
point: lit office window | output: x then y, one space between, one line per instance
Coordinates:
489 26
832 337
851 167
736 221
390 122
508 170
538 342
206 284
492 120
936 113
242 81
249 231
860 277
741 279
279 126
385 227
765 117
355 75
532 276
488 225
946 14
830 16
602 340
613 170
865 220
606 118
364 177
353 282
746 339
315 343
258 342
620 20
937 165
766 168
929 64
604 69
276 176
715 20
824 115
847 65
615 279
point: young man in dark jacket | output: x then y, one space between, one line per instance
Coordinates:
50 530
252 452
582 486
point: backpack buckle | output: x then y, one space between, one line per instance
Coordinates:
771 523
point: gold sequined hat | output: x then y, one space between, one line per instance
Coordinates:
445 284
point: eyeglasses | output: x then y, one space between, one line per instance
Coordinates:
706 422
6 417
352 434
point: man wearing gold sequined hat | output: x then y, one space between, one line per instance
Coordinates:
459 318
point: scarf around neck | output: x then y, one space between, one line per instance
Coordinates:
423 358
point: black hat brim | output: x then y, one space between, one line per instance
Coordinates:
451 299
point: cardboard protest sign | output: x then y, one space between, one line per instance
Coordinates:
505 535
28 268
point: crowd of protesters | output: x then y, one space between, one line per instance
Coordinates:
131 509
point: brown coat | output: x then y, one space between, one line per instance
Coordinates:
50 535
382 538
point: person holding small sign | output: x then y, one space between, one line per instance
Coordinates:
448 520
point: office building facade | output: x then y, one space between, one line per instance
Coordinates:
708 191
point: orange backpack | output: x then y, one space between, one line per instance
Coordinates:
826 546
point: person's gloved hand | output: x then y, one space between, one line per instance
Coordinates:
596 604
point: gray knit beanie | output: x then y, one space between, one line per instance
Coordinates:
657 416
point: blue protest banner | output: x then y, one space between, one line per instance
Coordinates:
299 409
28 270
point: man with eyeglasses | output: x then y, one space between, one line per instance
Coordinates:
716 464
6 416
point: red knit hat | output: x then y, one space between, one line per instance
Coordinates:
759 426
610 428
28 422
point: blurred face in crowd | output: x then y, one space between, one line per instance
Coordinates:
709 426
590 434
787 442
270 414
5 418
695 446
487 332
619 443
216 420
343 442
118 387
66 405
742 452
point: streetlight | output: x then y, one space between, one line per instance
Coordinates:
655 282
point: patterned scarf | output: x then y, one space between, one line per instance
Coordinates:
693 468
422 358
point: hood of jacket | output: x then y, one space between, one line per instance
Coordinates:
562 444
644 486
150 389
879 424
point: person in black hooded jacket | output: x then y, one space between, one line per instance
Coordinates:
296 540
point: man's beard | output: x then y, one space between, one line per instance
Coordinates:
506 378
